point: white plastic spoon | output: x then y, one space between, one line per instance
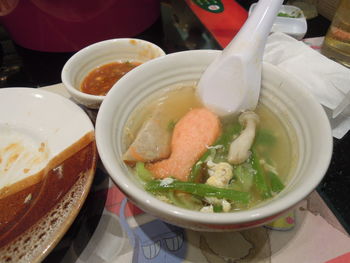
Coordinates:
231 83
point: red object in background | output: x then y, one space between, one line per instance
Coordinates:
114 200
341 259
222 25
69 25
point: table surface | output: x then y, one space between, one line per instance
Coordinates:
23 67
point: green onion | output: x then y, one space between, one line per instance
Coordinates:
217 208
260 180
224 140
226 137
142 172
202 190
276 183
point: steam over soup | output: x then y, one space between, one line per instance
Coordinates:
187 156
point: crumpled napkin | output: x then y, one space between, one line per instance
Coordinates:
327 80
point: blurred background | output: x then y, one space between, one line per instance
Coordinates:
37 36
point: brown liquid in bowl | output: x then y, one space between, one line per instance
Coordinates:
101 80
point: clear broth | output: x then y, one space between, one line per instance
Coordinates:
177 101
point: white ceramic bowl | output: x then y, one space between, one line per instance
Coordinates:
101 53
302 115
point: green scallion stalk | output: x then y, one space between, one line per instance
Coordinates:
202 190
261 183
276 183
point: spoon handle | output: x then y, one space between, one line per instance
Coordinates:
231 83
253 34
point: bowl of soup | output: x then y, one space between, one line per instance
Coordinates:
178 161
91 72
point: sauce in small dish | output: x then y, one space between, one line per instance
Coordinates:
100 80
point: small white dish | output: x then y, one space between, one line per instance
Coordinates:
99 54
293 23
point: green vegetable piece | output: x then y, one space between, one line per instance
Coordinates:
227 135
217 208
260 180
171 125
245 175
234 185
264 137
276 183
224 140
185 200
201 190
142 172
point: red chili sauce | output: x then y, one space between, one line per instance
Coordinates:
100 80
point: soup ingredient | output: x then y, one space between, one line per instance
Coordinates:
152 141
185 200
260 180
141 171
221 145
207 209
219 186
192 134
276 183
207 184
101 80
239 149
217 205
220 173
245 174
202 190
